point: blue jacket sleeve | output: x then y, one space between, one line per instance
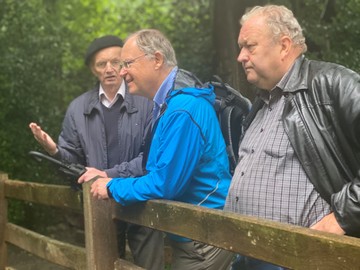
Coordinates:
176 148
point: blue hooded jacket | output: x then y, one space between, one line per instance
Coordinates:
187 161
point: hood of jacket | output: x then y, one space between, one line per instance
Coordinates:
188 84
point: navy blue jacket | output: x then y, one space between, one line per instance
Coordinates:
82 139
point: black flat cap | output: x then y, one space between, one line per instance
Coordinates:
101 43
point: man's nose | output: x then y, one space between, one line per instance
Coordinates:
109 67
243 56
123 72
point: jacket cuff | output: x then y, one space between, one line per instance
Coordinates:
346 211
109 193
111 173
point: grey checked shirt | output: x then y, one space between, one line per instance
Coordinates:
269 181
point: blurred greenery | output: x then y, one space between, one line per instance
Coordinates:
42 44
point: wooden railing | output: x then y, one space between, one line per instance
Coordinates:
286 245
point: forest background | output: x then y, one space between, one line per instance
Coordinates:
42 45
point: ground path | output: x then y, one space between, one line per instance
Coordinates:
19 259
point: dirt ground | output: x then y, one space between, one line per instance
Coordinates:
70 231
19 259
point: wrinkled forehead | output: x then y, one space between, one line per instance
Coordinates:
130 49
254 28
108 52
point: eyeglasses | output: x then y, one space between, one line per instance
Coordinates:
102 64
127 64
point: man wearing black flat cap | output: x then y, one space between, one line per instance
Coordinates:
104 129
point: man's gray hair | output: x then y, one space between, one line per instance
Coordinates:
281 21
151 40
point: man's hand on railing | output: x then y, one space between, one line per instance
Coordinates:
99 189
329 224
90 174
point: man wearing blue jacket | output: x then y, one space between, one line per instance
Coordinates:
187 159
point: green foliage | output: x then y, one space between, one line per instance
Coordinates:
30 75
331 28
192 37
341 44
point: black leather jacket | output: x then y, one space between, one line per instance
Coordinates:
322 120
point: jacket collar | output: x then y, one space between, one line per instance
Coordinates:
299 76
296 78
297 81
185 79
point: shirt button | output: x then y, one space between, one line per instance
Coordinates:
237 198
270 109
252 151
242 173
261 130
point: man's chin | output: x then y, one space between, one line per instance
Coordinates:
133 91
111 83
250 79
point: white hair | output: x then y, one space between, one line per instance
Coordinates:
281 21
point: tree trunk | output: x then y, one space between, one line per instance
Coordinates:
227 14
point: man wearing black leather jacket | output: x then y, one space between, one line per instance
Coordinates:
299 158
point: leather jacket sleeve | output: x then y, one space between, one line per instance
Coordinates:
346 202
346 206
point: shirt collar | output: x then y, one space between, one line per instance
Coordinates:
104 98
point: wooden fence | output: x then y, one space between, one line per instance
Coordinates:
290 246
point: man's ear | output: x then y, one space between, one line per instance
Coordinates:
159 60
93 71
286 46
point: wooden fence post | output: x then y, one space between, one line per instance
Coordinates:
100 232
3 221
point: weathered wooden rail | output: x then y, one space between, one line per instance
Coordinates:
290 246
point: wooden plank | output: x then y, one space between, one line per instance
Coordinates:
100 232
52 195
57 252
126 265
3 221
282 244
